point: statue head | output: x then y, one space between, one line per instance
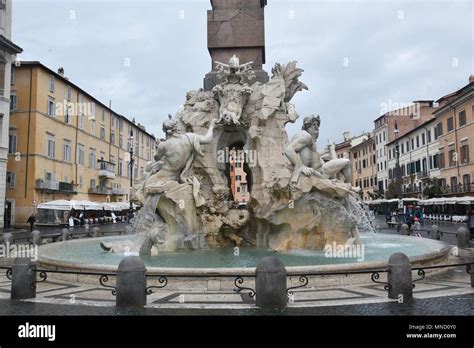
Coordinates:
169 126
311 125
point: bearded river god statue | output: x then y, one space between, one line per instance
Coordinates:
189 194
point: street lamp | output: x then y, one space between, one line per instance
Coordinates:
132 159
398 175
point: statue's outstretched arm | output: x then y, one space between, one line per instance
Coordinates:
208 137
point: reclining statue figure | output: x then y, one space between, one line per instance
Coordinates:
302 152
174 159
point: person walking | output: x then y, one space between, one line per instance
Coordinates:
470 223
31 221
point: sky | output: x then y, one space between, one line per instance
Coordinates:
359 56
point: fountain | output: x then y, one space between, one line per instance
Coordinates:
200 215
299 204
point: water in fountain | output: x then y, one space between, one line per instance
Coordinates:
365 217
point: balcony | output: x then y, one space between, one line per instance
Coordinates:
47 185
413 188
100 190
422 175
458 189
119 191
67 188
106 169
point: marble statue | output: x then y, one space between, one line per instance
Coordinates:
302 152
297 200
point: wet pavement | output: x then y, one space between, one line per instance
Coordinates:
439 306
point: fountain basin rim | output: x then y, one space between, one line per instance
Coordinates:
431 258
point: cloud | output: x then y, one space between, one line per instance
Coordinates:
356 54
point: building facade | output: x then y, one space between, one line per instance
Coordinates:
8 52
238 178
404 119
418 158
364 169
455 129
65 144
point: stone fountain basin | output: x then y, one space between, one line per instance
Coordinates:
85 255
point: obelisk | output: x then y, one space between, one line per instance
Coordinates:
236 27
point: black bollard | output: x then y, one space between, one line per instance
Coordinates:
131 283
23 279
270 283
400 278
96 232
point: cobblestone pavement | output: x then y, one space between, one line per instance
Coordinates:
447 294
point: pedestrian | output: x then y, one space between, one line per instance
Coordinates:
81 218
470 223
417 227
71 222
31 221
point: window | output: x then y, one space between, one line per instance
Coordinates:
403 148
81 181
450 124
13 77
112 137
67 151
51 83
466 182
50 109
438 130
13 101
12 141
417 141
120 125
67 116
92 183
103 115
412 144
81 121
102 133
92 159
121 141
423 139
462 118
454 183
69 93
112 121
50 146
452 158
80 154
11 179
408 146
119 167
93 127
441 160
465 154
428 132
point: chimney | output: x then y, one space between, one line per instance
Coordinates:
61 71
347 136
471 78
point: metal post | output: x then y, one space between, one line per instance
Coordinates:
132 160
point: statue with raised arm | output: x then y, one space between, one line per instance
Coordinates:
302 152
176 155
